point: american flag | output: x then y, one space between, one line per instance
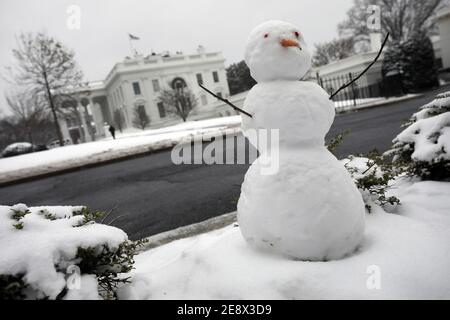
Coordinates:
132 37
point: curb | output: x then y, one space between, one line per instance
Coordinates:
116 156
189 231
382 103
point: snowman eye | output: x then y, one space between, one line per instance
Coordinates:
296 34
266 35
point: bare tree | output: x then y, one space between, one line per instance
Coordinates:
27 110
140 117
401 18
239 78
178 101
45 67
334 50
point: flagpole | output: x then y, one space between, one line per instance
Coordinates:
131 46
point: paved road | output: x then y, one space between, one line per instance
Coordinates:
150 195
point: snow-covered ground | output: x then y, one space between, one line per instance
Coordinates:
405 255
126 144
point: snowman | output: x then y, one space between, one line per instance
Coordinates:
309 209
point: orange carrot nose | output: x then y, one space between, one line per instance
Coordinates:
289 43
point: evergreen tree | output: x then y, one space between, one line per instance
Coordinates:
414 59
239 78
420 70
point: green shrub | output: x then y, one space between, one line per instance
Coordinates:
372 174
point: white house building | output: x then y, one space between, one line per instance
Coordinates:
137 82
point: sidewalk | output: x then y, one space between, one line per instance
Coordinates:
378 103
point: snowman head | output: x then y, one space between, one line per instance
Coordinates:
276 50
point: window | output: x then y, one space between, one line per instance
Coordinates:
141 110
136 88
215 76
219 94
162 111
199 78
204 100
155 84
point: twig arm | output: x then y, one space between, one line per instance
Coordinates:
365 70
226 101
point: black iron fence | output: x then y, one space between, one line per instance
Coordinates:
360 92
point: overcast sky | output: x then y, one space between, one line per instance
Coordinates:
102 40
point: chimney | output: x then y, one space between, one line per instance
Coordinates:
375 41
201 49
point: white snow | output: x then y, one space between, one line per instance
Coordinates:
44 248
442 101
409 251
307 207
422 134
128 143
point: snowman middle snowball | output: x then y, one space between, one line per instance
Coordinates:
310 209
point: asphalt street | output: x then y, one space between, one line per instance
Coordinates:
150 194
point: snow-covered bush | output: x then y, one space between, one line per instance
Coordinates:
423 148
60 253
372 176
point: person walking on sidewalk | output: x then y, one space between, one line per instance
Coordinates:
113 131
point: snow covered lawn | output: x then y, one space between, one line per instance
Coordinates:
127 144
406 253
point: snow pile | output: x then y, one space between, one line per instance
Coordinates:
403 256
39 245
